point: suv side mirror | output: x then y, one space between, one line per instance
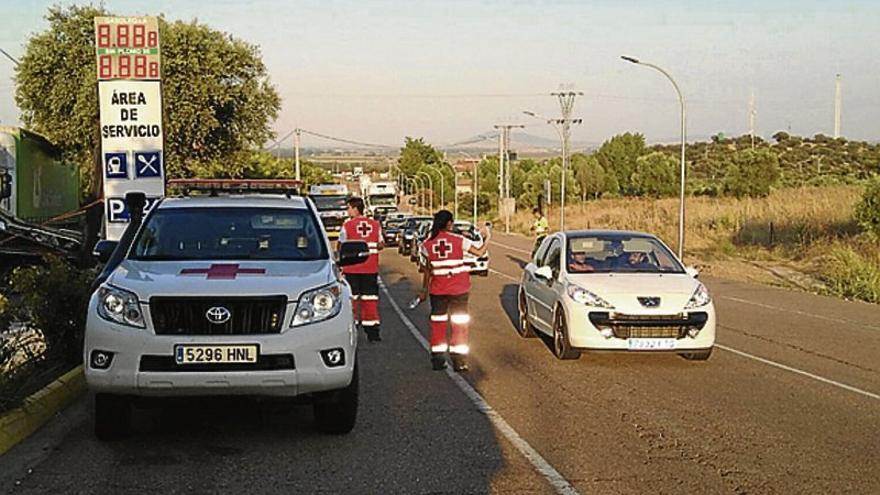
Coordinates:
353 253
544 272
692 271
104 249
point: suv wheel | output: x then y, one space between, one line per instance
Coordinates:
112 416
700 355
561 347
336 411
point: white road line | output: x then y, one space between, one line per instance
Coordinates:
556 480
505 246
799 372
774 363
496 272
797 312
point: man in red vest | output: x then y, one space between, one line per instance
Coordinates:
447 278
363 278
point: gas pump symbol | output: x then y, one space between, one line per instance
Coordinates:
116 165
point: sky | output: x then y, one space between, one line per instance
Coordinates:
379 70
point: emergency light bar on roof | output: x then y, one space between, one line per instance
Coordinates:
237 186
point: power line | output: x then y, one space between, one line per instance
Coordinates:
346 141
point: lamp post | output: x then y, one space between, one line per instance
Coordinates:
454 189
682 177
431 186
419 183
442 187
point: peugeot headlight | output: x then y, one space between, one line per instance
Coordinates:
120 306
317 305
587 298
700 298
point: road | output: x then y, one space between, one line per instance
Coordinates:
788 403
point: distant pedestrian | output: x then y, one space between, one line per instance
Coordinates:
447 280
541 227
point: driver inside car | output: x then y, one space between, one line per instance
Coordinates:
578 263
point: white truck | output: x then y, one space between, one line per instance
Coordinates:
381 199
330 200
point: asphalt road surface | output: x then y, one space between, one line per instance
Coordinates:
788 403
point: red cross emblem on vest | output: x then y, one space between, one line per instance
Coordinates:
442 248
222 271
364 228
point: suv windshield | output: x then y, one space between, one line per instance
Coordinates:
230 233
619 254
329 202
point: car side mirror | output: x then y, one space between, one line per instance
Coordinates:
692 271
353 253
104 249
544 272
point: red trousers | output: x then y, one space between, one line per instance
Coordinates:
446 310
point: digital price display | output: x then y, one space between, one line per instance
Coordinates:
127 48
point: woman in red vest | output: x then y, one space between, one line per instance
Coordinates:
447 279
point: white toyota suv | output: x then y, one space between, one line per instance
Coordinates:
223 295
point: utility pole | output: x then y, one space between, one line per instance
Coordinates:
837 105
504 170
566 104
752 117
296 134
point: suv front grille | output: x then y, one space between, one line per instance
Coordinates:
188 315
649 326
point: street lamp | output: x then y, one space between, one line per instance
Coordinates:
454 189
683 142
431 185
442 188
419 183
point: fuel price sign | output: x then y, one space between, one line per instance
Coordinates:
127 48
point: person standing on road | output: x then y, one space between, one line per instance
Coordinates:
540 227
364 277
447 280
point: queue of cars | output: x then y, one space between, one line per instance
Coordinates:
241 294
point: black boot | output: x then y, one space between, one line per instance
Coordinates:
438 361
373 334
459 362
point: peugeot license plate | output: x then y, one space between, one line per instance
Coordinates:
651 344
215 353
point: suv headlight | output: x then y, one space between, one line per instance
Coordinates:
120 306
583 296
700 298
317 305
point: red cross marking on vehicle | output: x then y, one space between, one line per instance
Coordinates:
223 271
442 248
364 228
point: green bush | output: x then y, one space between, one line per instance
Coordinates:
751 173
853 274
52 298
867 211
655 175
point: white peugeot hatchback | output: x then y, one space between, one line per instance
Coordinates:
223 295
614 290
